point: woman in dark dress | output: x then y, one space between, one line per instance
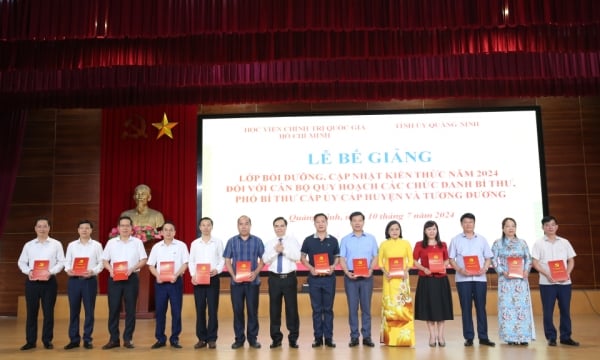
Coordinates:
433 299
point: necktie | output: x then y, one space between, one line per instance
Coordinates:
280 260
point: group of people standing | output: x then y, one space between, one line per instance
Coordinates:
358 253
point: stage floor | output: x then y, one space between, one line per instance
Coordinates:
12 335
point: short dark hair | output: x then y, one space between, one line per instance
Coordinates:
546 219
206 218
42 218
125 218
357 213
81 222
165 223
467 216
280 218
319 214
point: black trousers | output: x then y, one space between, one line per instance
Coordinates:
206 299
126 290
36 291
284 287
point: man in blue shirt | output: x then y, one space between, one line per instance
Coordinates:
321 283
239 250
471 287
358 247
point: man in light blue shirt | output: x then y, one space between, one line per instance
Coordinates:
358 246
471 287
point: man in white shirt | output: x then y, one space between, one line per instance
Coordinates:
41 283
206 250
553 247
82 286
128 249
281 255
168 261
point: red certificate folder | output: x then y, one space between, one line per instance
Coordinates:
472 266
80 266
322 263
120 270
361 267
436 262
396 267
203 274
558 271
515 267
41 270
242 271
166 271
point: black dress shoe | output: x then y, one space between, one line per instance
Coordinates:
569 342
158 345
49 346
486 342
176 345
28 346
293 345
368 342
524 343
275 344
237 345
72 345
329 343
200 344
255 345
317 343
128 344
551 342
212 344
353 342
88 345
469 342
111 345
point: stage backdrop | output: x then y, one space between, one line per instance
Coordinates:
132 154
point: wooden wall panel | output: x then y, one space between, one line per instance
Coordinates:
32 190
451 103
69 189
563 147
520 102
594 204
40 132
578 235
396 105
36 162
284 108
12 244
593 177
591 137
582 273
73 160
573 209
67 216
70 124
566 179
21 217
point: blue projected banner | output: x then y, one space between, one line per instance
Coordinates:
410 167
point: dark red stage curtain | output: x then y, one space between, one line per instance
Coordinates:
98 53
11 143
132 155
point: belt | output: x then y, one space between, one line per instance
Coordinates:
82 277
282 276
